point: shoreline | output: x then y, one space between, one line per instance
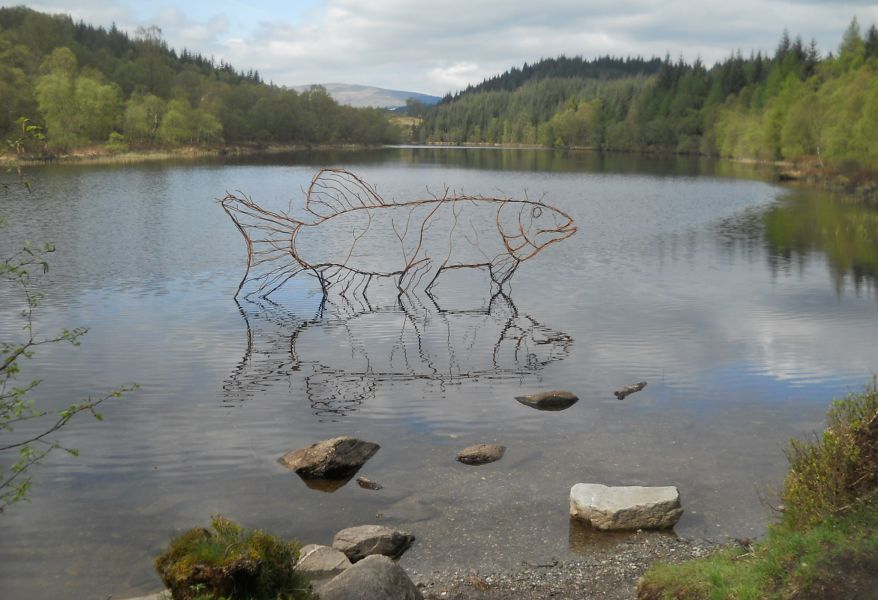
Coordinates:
859 183
98 155
609 572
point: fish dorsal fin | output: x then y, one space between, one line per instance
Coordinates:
334 191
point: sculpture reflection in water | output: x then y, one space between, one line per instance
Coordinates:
343 355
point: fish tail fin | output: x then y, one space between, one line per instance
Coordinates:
271 257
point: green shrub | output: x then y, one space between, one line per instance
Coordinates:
116 143
828 474
232 563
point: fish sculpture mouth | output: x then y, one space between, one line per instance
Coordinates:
566 230
432 235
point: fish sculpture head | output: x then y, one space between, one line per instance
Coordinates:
527 227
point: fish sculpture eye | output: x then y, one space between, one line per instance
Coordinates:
433 235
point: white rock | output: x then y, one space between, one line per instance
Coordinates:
625 507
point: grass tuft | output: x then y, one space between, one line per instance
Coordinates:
229 562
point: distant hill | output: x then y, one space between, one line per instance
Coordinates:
366 95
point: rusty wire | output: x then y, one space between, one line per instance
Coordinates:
271 236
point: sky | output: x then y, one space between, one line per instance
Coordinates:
440 46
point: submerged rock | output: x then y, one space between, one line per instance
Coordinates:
373 578
628 390
366 483
554 400
337 458
481 454
625 507
365 540
410 509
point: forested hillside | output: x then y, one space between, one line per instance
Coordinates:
792 104
86 85
604 67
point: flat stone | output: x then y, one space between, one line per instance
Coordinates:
373 578
625 507
321 562
335 458
365 540
481 454
554 400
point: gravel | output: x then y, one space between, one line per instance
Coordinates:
610 573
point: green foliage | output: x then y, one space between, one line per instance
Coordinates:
791 106
826 541
231 562
84 83
830 474
143 114
820 562
16 404
77 108
116 143
22 451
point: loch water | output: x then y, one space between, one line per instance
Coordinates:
746 306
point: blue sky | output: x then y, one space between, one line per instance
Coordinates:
439 46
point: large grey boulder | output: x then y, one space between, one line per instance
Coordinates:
335 458
625 507
365 540
481 454
373 578
321 562
554 400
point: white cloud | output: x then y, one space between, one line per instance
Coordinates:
456 76
444 45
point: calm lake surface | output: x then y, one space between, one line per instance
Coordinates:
745 305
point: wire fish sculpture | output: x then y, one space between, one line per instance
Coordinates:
351 235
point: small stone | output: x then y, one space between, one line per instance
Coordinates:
625 507
373 578
368 484
628 390
332 459
365 540
554 400
481 454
